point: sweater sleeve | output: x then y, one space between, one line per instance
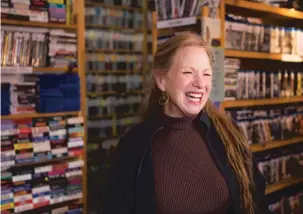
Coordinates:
118 198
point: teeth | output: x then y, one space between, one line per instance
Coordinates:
194 99
194 95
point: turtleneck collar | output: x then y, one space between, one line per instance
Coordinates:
177 122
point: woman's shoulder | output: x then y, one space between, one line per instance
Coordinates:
136 139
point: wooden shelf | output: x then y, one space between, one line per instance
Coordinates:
284 12
275 144
36 115
29 70
281 185
114 28
96 94
114 51
254 55
113 72
261 102
37 24
44 162
55 205
111 116
53 70
116 7
261 55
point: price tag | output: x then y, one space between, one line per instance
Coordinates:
176 22
16 70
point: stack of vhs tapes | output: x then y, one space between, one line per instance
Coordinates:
40 139
276 165
5 98
19 93
57 11
8 153
250 34
23 144
287 200
32 187
175 9
75 133
259 84
30 93
103 128
58 137
24 95
108 105
38 10
105 39
133 3
113 62
113 17
263 84
24 46
270 123
26 187
231 67
26 10
59 92
37 47
114 82
62 49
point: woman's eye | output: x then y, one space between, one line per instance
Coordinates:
207 75
187 72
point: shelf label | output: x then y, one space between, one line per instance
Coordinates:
176 22
291 58
16 70
217 91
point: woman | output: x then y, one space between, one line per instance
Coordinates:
185 157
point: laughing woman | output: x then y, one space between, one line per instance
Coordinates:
185 157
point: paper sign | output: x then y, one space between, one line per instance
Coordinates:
217 92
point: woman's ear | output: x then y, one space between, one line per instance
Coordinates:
160 78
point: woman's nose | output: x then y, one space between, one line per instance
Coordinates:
198 82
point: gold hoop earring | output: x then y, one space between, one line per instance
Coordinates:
163 99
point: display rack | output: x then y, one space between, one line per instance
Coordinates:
272 14
265 11
116 60
114 52
76 25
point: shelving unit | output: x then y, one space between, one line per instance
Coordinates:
76 15
271 13
113 51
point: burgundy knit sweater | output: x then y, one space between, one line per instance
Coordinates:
187 180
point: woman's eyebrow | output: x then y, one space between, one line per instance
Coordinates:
196 70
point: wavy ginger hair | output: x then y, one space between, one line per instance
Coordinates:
236 145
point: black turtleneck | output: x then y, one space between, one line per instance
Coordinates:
186 177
